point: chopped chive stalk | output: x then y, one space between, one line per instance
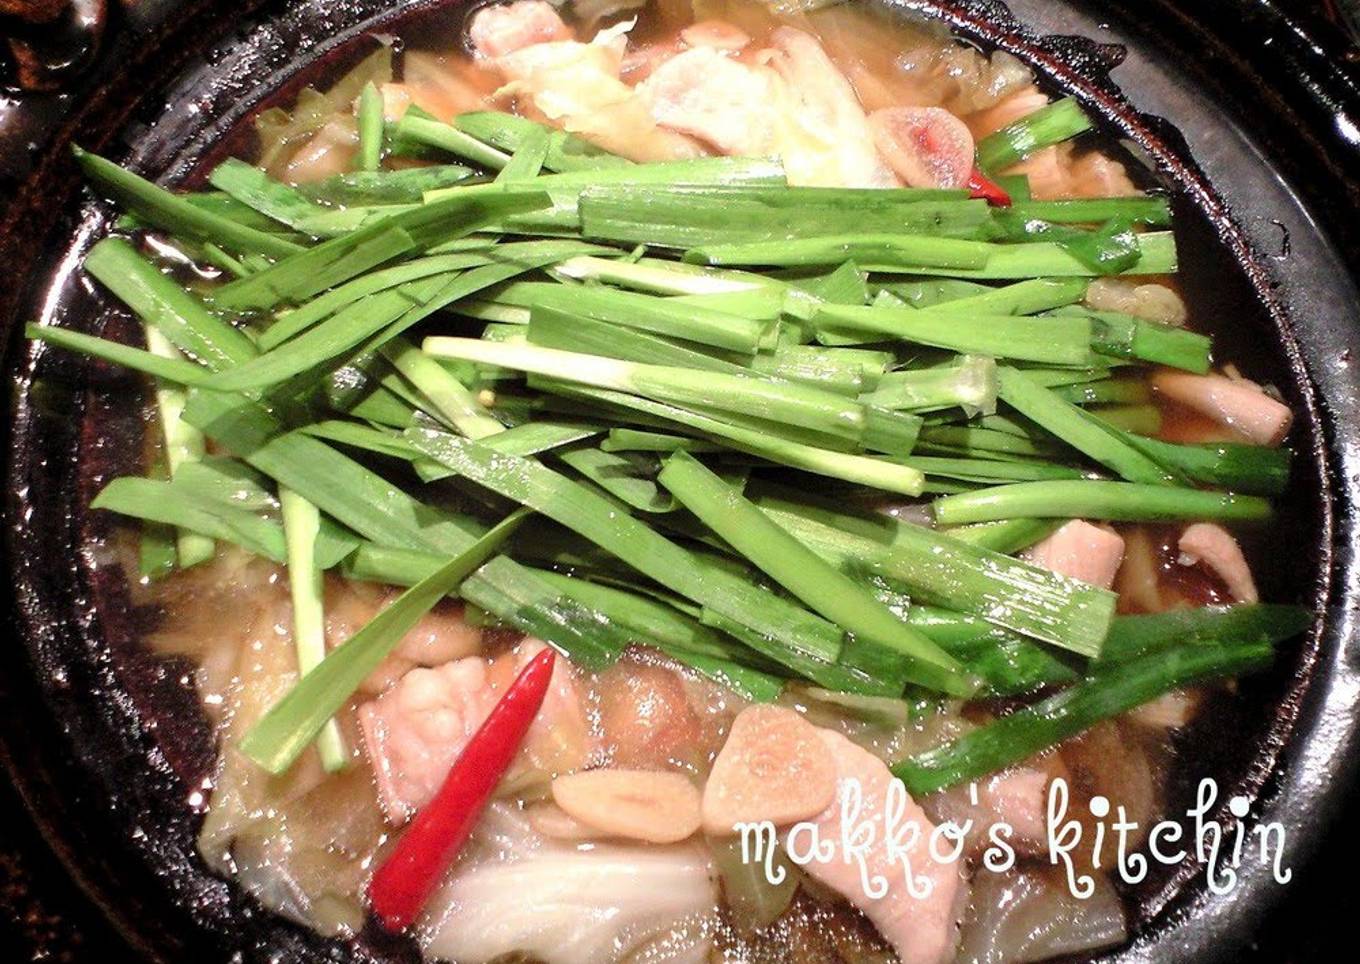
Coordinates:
339 486
1045 408
513 595
253 187
942 571
397 567
171 212
1008 665
876 252
626 477
655 616
980 441
519 597
177 370
156 552
846 371
971 384
1051 341
418 127
1036 259
1053 124
566 152
675 634
366 437
874 472
341 333
184 508
596 518
184 444
451 400
1034 728
404 186
634 440
846 284
1251 469
218 258
662 277
838 676
281 735
230 480
301 525
1124 336
324 266
527 161
371 129
1065 377
164 305
1021 298
1106 391
377 318
566 188
929 292
658 316
1093 499
823 588
777 401
228 206
685 216
299 277
551 328
1108 249
758 304
293 322
1133 637
1141 209
904 254
499 317
990 472
1006 536
531 438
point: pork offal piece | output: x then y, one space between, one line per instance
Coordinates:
1017 798
922 930
439 637
504 28
1082 551
1235 403
415 731
645 718
1210 545
715 33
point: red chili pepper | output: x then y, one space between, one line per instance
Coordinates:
409 876
984 187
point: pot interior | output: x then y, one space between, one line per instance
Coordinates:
129 806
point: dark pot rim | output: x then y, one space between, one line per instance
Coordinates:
1266 62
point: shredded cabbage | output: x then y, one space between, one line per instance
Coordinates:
592 904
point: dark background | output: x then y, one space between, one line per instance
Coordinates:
45 916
